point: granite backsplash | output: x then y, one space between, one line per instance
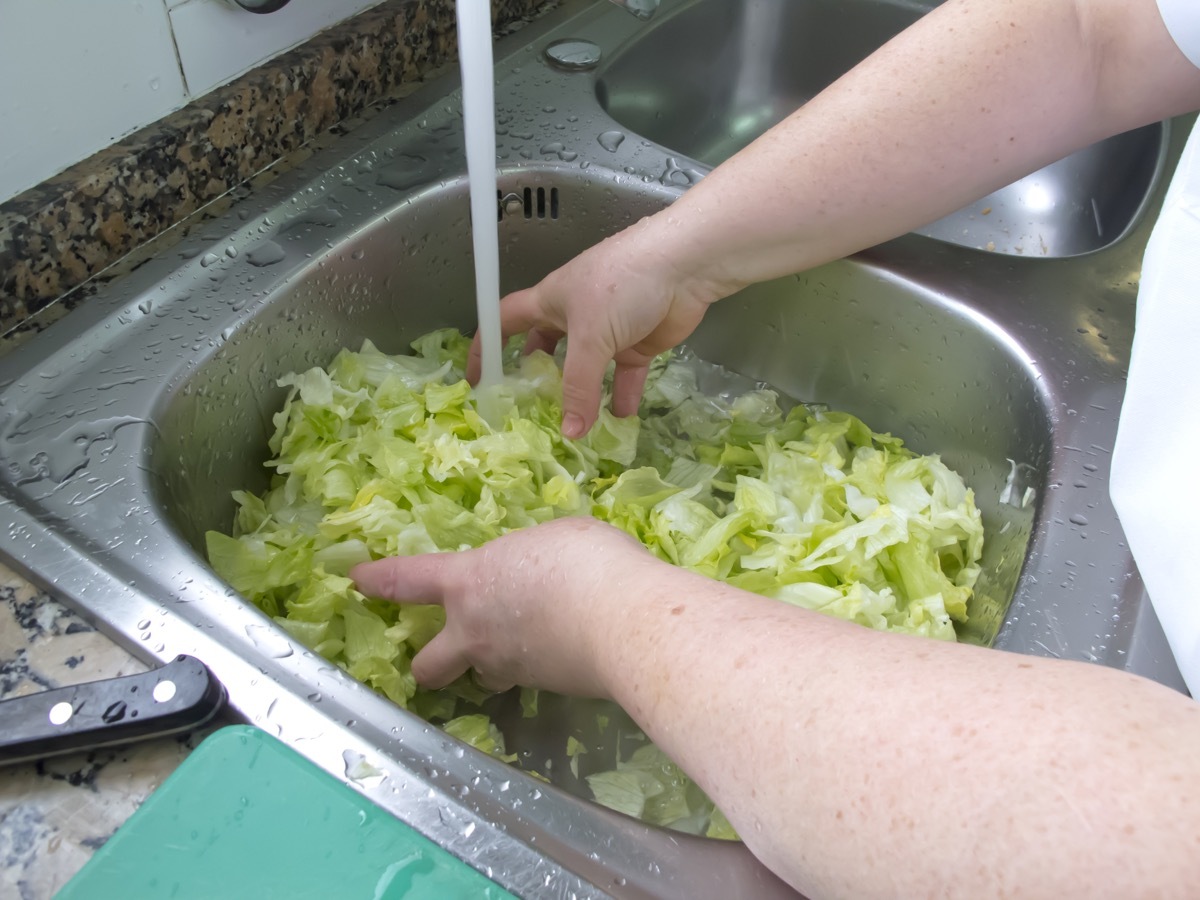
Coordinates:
59 235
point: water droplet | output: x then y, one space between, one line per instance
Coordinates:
266 253
676 176
404 172
1078 519
270 641
611 140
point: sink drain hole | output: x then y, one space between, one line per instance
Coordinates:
529 203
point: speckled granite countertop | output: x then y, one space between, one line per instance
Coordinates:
56 812
96 222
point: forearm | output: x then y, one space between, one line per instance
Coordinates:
923 127
856 763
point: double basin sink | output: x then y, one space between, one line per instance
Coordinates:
998 341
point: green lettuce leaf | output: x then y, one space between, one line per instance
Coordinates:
378 455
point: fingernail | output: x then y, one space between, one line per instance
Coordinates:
572 426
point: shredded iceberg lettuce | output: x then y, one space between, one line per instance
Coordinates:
379 455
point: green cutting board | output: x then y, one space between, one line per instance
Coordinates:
246 816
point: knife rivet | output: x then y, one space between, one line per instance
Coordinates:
164 691
60 712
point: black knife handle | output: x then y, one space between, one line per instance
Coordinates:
178 697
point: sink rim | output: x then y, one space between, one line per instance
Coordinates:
1002 215
100 584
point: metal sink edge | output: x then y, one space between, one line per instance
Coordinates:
534 840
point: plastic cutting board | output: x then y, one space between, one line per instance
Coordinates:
246 816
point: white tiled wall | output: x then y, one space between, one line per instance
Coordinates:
217 40
77 75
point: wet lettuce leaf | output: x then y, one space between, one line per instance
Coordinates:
378 455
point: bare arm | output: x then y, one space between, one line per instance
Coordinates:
972 96
853 763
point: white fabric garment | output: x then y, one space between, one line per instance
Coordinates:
1155 483
1182 18
1154 486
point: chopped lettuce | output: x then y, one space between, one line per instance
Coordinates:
478 731
379 455
649 786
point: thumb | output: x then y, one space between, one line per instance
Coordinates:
439 662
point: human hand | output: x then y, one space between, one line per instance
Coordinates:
527 608
626 299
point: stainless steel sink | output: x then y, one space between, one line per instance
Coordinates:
124 428
712 75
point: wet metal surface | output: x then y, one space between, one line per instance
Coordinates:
124 427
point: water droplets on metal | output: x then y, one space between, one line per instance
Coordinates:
611 140
270 641
265 253
406 170
556 149
677 176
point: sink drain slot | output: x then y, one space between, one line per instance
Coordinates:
529 203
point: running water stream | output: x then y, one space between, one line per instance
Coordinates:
479 125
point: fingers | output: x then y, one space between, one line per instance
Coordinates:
439 662
583 371
627 385
405 579
542 339
474 360
416 579
523 311
520 312
583 374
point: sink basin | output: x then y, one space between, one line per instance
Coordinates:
124 428
951 385
905 359
712 75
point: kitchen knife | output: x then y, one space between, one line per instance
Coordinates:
178 697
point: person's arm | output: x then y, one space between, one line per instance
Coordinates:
971 97
853 763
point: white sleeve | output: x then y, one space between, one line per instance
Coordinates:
1155 483
1182 18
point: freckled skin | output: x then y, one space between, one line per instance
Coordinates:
833 749
854 763
975 95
